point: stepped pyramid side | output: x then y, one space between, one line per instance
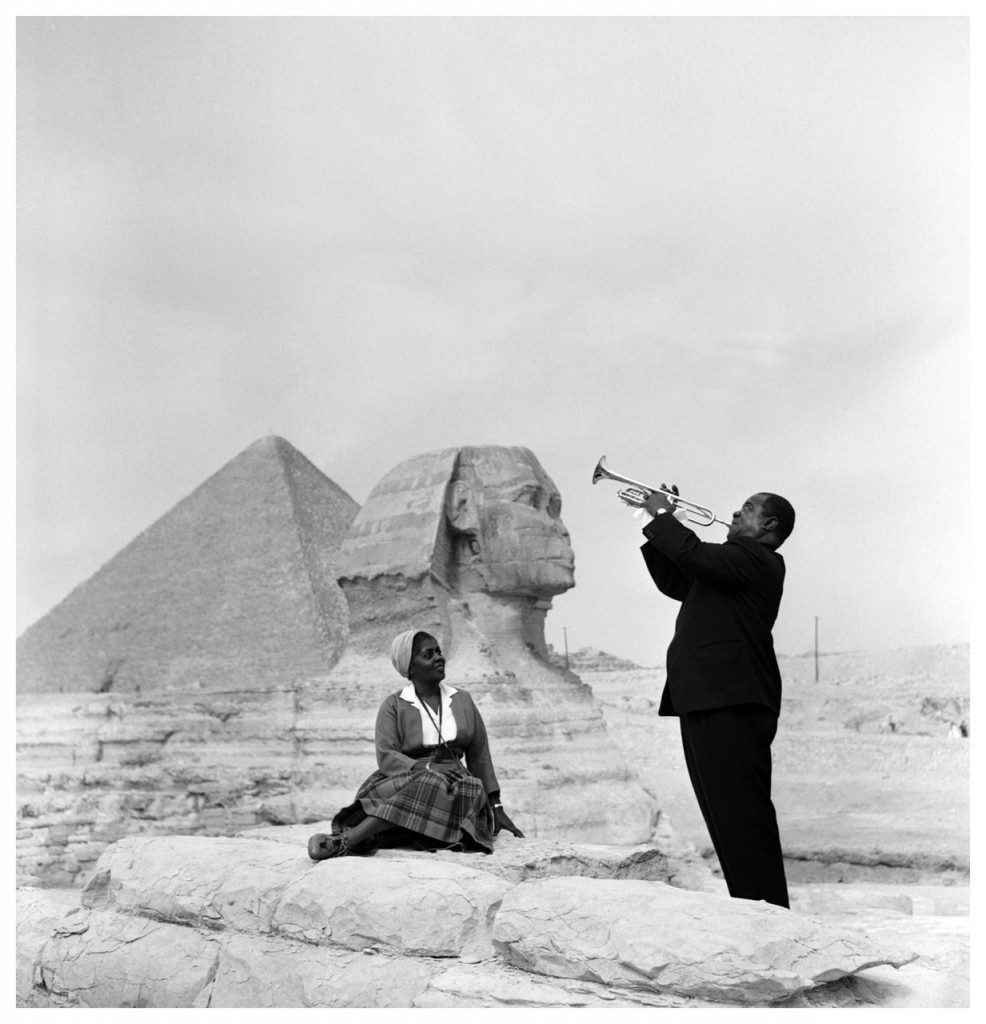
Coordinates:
234 586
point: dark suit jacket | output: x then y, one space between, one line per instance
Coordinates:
722 653
400 742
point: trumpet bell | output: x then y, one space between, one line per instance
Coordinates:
602 473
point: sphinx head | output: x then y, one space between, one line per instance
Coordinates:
503 515
470 533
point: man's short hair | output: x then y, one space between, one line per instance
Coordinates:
783 511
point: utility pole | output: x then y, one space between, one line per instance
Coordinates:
816 648
564 629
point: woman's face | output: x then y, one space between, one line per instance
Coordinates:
427 661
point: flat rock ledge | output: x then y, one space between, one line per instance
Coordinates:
190 921
642 935
667 858
515 860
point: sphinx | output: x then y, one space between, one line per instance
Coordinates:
468 544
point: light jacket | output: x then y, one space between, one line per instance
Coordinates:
399 739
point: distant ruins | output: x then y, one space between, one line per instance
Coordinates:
224 669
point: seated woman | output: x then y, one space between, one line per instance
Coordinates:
422 795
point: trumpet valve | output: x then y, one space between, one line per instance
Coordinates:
633 496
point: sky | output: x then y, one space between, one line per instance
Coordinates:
729 253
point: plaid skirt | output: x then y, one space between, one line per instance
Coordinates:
438 807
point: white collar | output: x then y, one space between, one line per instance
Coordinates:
411 697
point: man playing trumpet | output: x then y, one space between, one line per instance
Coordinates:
722 677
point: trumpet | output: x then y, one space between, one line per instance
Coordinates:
637 493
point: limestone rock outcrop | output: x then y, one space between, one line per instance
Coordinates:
667 858
419 908
646 935
39 913
591 659
194 921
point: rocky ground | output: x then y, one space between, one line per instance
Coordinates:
871 772
250 921
871 784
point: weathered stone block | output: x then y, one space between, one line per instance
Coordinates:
519 859
39 912
406 907
108 959
495 984
190 921
255 971
219 883
652 936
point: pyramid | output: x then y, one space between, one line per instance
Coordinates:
233 588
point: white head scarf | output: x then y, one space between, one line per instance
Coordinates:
401 648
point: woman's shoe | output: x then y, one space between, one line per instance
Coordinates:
322 846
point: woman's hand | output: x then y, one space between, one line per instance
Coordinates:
502 821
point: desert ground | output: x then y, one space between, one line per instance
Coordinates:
871 784
870 768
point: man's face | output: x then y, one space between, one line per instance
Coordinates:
523 544
749 520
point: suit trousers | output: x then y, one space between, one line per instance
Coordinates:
727 752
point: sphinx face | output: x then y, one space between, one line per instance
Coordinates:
509 512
